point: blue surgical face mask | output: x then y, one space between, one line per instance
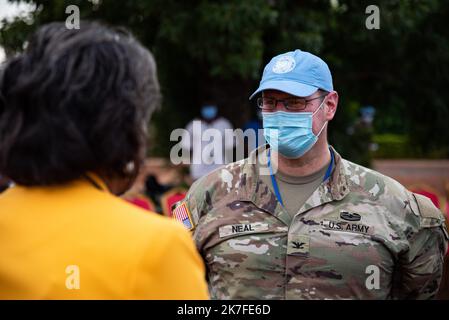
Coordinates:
290 133
209 112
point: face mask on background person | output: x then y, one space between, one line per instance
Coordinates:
290 133
209 112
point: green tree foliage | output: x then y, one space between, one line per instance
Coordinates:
215 50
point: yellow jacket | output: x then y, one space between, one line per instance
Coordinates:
78 242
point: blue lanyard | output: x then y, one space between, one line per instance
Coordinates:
275 184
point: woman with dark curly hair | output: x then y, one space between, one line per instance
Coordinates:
74 108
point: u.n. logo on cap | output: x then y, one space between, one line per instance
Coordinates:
284 64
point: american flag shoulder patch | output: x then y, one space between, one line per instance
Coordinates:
182 214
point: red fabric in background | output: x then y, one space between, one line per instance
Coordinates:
171 200
140 203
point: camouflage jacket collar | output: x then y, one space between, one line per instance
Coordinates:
334 188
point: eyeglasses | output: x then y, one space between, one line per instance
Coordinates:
292 104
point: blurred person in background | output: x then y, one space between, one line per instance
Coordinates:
203 161
73 114
254 124
361 136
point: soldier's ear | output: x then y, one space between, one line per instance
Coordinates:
331 103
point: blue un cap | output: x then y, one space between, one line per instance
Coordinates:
298 73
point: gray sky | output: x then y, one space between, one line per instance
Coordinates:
8 11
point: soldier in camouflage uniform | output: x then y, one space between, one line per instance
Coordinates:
359 235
